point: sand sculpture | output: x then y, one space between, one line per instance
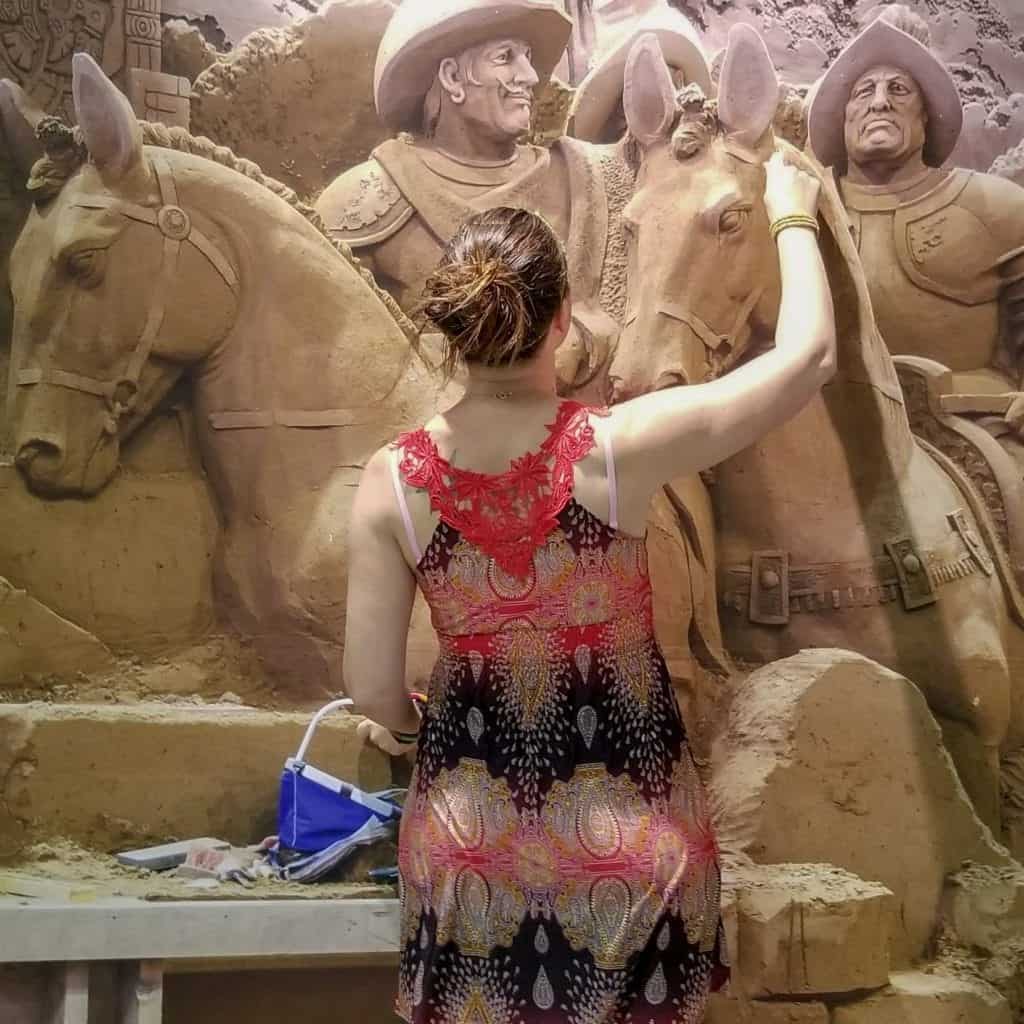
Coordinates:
19 149
943 248
890 553
436 69
282 430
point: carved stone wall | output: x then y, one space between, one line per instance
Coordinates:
39 37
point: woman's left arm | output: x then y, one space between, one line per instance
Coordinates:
381 591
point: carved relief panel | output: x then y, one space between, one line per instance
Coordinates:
39 37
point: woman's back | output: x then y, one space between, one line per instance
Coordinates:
516 547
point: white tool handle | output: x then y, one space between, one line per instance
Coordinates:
317 718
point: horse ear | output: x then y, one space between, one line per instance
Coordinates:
648 93
19 117
109 125
748 89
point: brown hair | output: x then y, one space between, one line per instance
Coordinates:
497 288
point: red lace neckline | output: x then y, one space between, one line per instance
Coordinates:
507 515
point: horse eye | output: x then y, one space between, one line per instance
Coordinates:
733 220
85 266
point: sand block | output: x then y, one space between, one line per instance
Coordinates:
35 639
115 777
914 997
985 905
806 929
829 758
730 1010
130 566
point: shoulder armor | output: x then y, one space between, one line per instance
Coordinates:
364 206
948 241
1001 203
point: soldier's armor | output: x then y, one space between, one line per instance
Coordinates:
941 266
364 206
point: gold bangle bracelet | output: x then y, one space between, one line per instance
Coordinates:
794 220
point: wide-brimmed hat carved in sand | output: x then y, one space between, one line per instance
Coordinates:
423 33
600 92
883 43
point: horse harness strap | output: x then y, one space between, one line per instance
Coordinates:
769 589
176 227
711 339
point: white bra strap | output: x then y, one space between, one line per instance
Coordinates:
613 489
403 505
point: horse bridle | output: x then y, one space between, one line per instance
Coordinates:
174 223
711 339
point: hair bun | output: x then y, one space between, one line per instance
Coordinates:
497 288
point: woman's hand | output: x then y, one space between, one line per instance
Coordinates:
382 739
789 190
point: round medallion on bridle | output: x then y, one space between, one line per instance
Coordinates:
174 222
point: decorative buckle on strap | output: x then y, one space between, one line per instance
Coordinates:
174 222
915 582
769 588
958 520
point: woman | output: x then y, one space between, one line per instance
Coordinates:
557 859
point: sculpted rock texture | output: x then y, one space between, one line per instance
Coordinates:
185 50
299 100
237 20
1011 164
827 757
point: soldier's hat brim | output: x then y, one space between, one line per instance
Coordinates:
422 33
600 93
884 44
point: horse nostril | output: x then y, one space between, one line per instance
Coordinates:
37 450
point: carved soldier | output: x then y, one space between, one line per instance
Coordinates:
455 80
943 248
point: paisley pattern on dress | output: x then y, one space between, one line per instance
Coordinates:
558 863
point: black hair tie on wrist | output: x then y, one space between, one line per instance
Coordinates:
405 738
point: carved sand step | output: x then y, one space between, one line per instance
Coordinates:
115 777
805 930
916 997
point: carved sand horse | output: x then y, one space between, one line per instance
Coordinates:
838 529
19 150
138 264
